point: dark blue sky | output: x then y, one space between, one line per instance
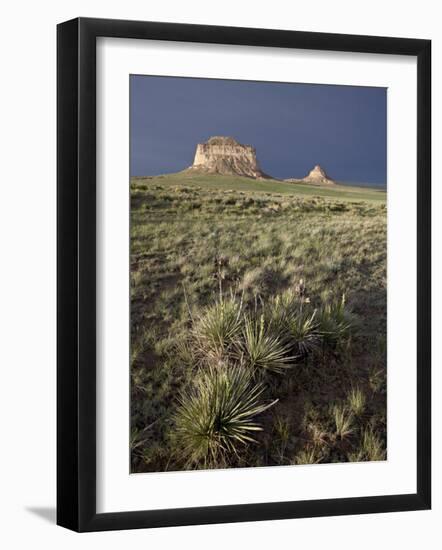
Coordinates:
292 126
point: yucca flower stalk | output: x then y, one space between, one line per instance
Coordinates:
356 401
307 456
370 447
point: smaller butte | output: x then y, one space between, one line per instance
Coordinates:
316 176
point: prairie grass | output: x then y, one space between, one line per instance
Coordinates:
334 324
371 447
285 282
356 401
282 431
307 456
343 419
261 349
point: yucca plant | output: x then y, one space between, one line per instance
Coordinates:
218 327
356 401
260 349
334 322
303 332
280 310
216 417
343 420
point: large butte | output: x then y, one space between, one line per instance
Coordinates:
225 156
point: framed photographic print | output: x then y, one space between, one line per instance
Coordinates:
243 274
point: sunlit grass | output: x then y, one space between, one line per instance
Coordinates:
343 419
356 401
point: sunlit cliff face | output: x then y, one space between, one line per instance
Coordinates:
225 156
318 175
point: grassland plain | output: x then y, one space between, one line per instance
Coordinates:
201 245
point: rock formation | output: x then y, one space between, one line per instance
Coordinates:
316 176
225 156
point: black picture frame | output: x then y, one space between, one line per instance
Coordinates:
76 274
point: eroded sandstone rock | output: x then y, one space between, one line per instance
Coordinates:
225 156
316 176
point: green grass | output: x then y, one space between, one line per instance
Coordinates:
356 401
209 252
237 183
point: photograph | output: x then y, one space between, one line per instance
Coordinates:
225 251
258 284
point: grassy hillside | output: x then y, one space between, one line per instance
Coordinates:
207 251
338 192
